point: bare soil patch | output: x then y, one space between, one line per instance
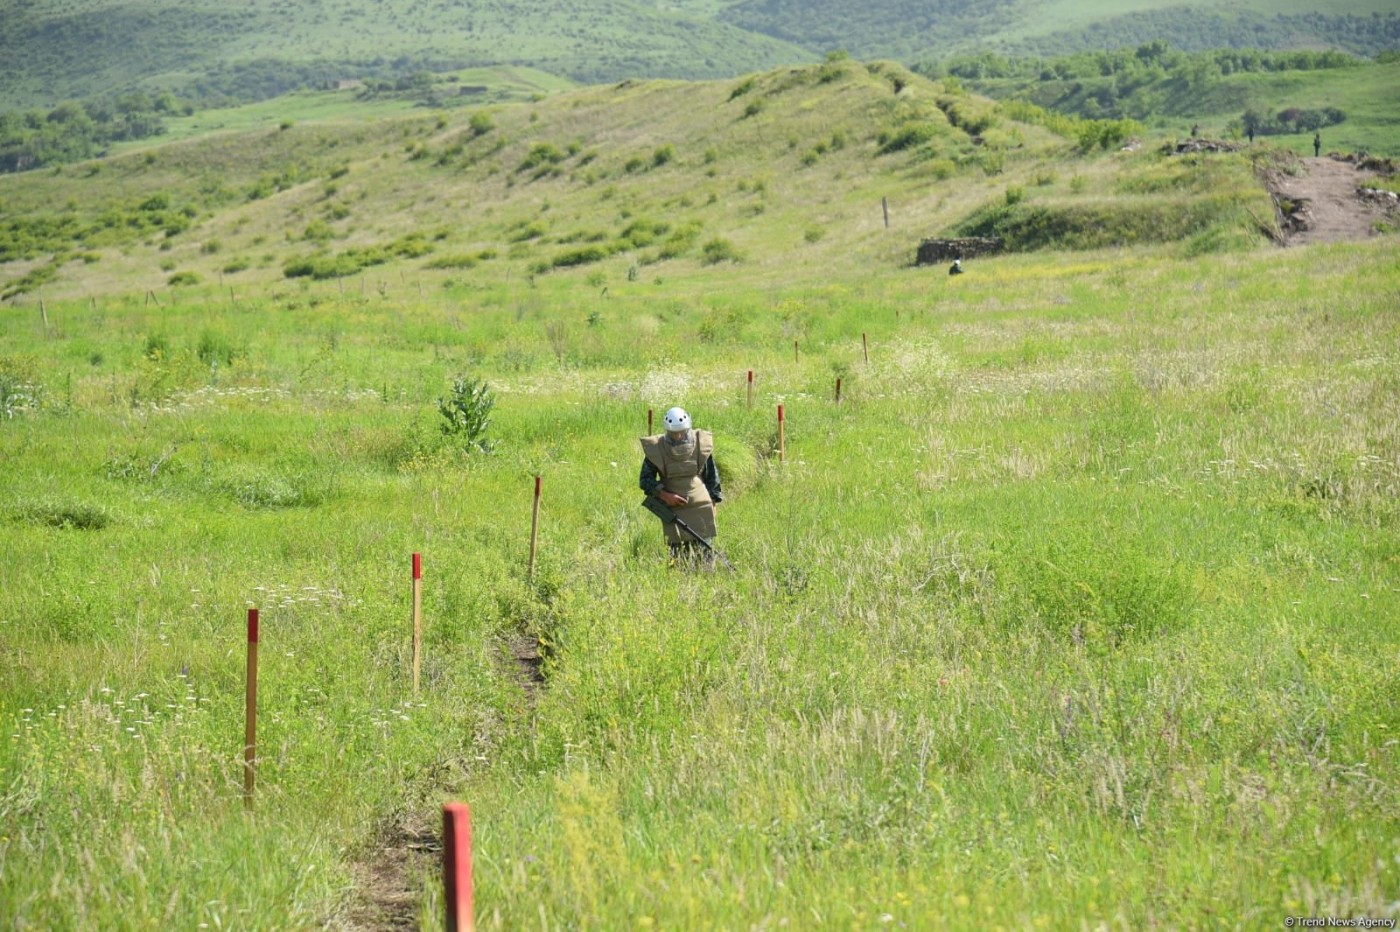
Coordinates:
388 883
1322 204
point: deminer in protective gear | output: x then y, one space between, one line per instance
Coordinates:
678 467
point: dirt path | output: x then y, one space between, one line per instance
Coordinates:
389 876
388 882
1329 208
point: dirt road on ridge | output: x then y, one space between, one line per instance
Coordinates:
1331 210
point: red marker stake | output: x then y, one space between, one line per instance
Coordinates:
649 431
751 389
417 619
534 528
457 866
782 452
250 717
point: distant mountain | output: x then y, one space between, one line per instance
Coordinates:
55 50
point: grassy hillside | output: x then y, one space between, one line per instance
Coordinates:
1077 609
913 30
469 87
781 169
1176 98
262 48
86 48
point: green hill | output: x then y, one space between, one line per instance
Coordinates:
50 51
914 29
781 168
54 52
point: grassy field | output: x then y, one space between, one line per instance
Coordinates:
1079 609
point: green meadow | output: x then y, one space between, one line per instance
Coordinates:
1077 610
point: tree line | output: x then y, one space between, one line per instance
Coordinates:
73 131
1149 80
1152 61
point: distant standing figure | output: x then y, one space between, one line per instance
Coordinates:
1317 145
1195 130
956 268
1250 131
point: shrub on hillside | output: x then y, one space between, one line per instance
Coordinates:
542 154
481 123
466 414
641 233
720 250
453 262
907 137
581 256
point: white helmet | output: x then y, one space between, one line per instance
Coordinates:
676 419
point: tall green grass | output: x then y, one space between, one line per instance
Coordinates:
1077 609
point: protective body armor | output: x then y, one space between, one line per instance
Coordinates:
680 465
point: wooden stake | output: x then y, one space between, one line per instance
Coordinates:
750 389
250 713
93 299
838 390
865 347
885 206
649 430
457 867
794 351
420 287
417 619
534 528
782 444
43 312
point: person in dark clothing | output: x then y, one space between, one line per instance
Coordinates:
679 468
956 268
1317 145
